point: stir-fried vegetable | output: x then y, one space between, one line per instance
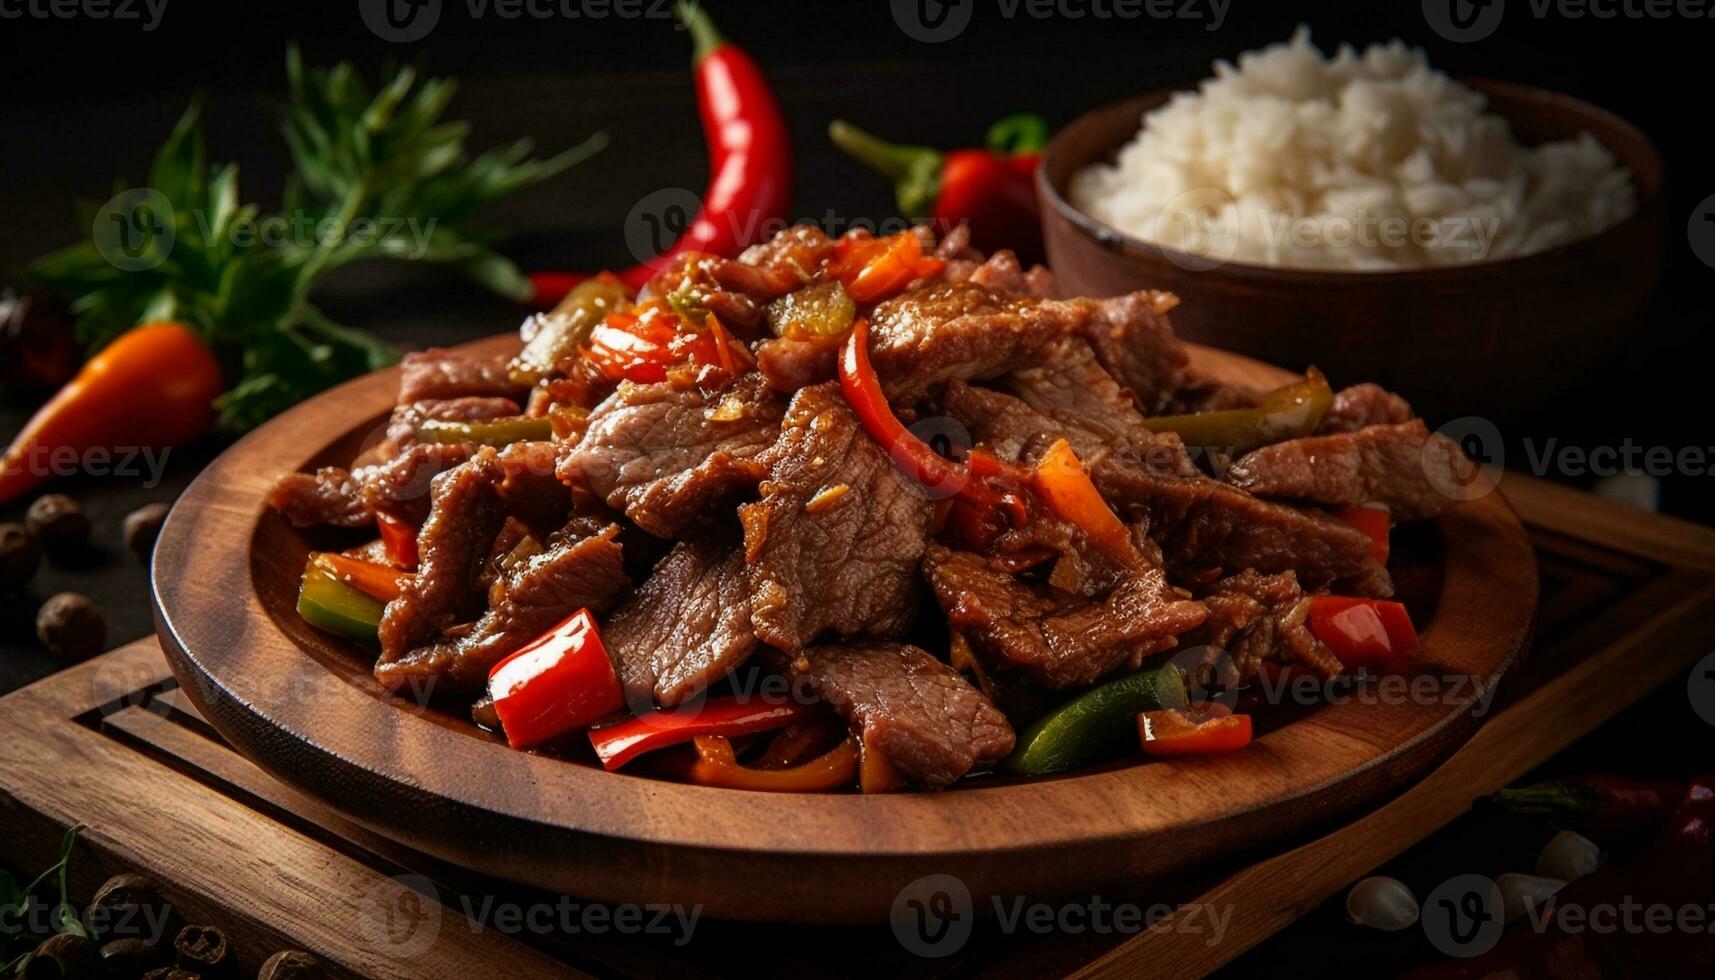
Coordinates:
379 582
1206 731
398 540
822 310
717 765
1373 521
1373 633
561 682
863 392
1062 483
1075 731
1285 413
490 432
644 344
561 333
729 717
326 602
874 269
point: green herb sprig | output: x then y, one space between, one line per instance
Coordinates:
377 175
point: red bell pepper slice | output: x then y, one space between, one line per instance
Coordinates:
1372 633
1176 732
399 540
728 717
863 392
558 683
1373 521
1062 483
874 269
717 765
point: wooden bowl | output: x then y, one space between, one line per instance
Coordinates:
304 706
1481 339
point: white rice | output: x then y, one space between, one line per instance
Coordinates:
1369 161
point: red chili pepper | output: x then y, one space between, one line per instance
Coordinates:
1373 521
992 189
873 269
750 156
619 743
1606 806
558 683
1370 633
863 392
642 345
398 540
1176 732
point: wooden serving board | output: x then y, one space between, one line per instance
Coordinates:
304 706
111 743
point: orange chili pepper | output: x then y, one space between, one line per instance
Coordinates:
717 765
873 269
152 388
1062 483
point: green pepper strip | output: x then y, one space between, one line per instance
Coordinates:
495 432
567 327
332 605
1285 413
1070 734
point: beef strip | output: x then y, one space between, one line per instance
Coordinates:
402 425
1404 466
833 544
1053 638
663 453
464 519
328 496
581 568
1255 617
401 485
791 363
687 626
941 332
914 710
534 492
437 373
1134 341
1364 405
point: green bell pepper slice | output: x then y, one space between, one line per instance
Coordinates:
326 602
1285 413
560 333
493 432
1071 734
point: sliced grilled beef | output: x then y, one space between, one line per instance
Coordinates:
1364 405
1404 466
401 486
463 522
833 544
402 425
941 332
578 570
437 373
1256 617
1057 639
687 626
532 489
663 453
790 363
1134 341
914 710
328 496
1072 388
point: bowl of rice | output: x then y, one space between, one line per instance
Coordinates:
1468 242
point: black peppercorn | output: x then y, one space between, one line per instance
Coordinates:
129 906
20 556
58 522
75 956
202 949
143 526
127 959
291 964
69 626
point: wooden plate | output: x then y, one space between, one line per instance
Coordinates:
304 706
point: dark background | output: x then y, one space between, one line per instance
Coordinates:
83 102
